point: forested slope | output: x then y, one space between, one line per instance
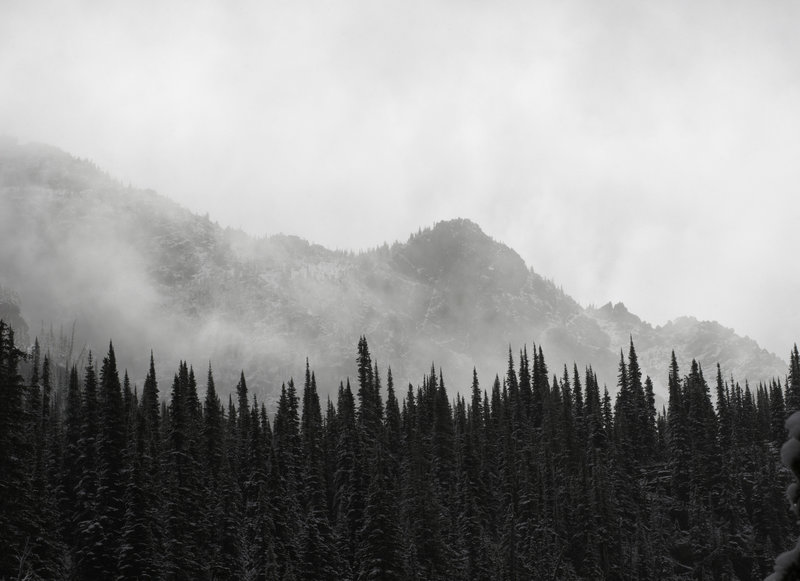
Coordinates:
540 474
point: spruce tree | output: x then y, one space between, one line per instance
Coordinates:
15 494
70 466
182 476
286 503
370 408
379 554
678 446
318 557
777 409
88 562
793 382
111 446
393 430
136 558
348 495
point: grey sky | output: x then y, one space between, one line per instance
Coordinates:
637 151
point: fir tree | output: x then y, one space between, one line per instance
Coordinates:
793 382
137 558
110 463
777 410
318 559
379 555
286 481
88 561
348 495
678 446
69 501
15 498
370 407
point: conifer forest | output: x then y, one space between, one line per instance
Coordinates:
540 475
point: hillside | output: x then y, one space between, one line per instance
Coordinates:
77 247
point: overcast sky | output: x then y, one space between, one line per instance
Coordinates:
644 152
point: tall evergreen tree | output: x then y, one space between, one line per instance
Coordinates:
70 472
15 494
318 558
151 409
379 555
793 382
88 554
348 494
136 557
678 445
287 474
370 407
777 409
182 476
111 446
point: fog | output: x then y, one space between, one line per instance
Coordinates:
636 152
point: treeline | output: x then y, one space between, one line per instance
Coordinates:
539 476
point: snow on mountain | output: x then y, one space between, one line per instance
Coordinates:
130 265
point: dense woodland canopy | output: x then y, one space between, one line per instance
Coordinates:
541 475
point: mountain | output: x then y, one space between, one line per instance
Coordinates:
91 260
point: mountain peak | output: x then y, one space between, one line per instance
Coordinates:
453 231
459 225
458 252
618 313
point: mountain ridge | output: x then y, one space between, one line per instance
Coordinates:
79 245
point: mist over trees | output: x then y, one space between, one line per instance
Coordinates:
541 474
92 258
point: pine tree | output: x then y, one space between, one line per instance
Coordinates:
311 439
221 519
182 502
644 410
44 549
370 407
243 425
151 411
678 446
286 505
379 554
260 560
70 469
702 432
428 554
110 464
34 429
594 411
213 444
777 410
136 558
393 430
348 495
793 382
88 560
443 451
624 412
649 420
578 410
318 558
16 532
153 415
